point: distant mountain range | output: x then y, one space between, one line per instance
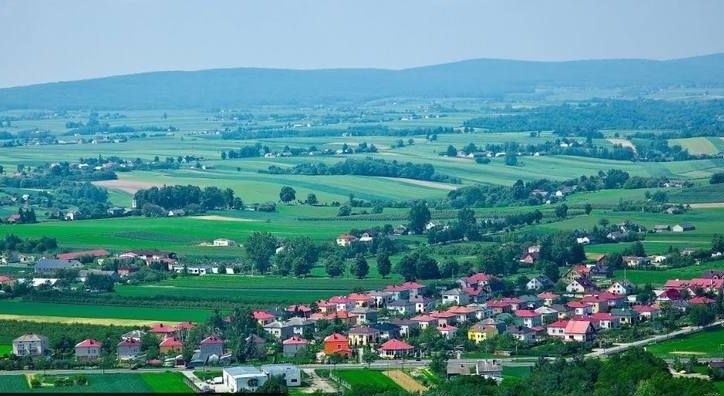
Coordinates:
250 86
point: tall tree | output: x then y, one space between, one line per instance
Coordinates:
287 194
334 266
260 246
419 216
384 266
360 268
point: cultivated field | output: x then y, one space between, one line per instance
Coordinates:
168 382
406 382
362 377
109 314
708 343
659 277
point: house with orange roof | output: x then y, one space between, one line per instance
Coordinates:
163 330
444 317
263 317
462 314
424 320
395 349
337 344
647 311
499 306
343 303
170 345
361 300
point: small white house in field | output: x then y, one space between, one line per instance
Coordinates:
222 242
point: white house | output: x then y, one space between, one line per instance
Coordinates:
245 378
222 242
455 296
583 240
623 287
346 240
30 345
539 282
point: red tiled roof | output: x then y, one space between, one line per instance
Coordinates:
559 324
396 345
335 337
171 342
423 318
4 278
87 343
412 285
212 340
576 304
472 292
359 297
185 325
460 310
498 304
295 340
602 316
298 308
478 277
547 295
340 300
644 308
442 315
577 327
261 315
701 300
444 327
524 313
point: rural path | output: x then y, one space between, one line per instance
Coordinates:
677 374
318 384
405 381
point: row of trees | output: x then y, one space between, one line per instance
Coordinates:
177 197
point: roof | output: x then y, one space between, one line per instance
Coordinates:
242 370
299 308
163 328
363 330
396 345
422 318
644 308
478 277
577 327
335 337
171 342
347 237
340 300
524 313
185 325
460 310
701 300
30 338
559 324
80 253
57 264
211 340
261 315
295 340
446 327
88 343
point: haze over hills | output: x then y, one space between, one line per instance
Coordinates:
247 86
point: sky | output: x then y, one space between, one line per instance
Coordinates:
62 40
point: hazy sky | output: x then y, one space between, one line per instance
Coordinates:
56 40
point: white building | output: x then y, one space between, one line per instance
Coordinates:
244 378
30 345
292 374
221 242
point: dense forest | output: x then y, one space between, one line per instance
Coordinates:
367 167
609 114
192 197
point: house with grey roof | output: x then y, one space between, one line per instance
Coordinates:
30 345
51 265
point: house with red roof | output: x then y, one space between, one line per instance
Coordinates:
345 240
530 318
397 292
343 303
447 331
337 344
263 317
647 311
395 349
6 280
548 298
579 330
557 329
361 300
444 317
163 330
580 308
703 300
292 345
170 345
669 295
424 320
604 320
499 306
478 280
300 310
88 350
596 303
462 314
325 306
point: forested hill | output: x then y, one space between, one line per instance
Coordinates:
245 86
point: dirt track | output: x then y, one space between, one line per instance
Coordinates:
424 183
405 381
96 321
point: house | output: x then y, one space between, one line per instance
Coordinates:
548 298
363 336
211 346
622 287
521 333
343 303
580 286
575 272
447 331
625 316
444 317
683 227
484 368
256 345
400 230
30 345
395 349
538 283
361 300
580 308
529 258
387 330
366 238
291 374
292 345
462 314
422 304
163 330
128 349
579 330
485 330
284 330
634 261
13 218
363 315
88 350
424 320
45 266
583 240
405 325
661 228
603 320
345 240
6 280
455 296
647 312
669 295
701 301
243 379
402 307
557 328
97 253
170 345
477 280
299 310
337 344
222 242
263 317
530 318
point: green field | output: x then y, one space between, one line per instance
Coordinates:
168 382
658 278
102 312
5 349
516 372
698 145
709 343
357 377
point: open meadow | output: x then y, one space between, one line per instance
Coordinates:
168 382
366 377
705 344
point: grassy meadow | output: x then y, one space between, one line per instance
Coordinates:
709 343
357 377
168 382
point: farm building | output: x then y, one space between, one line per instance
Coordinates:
683 227
51 265
239 379
222 242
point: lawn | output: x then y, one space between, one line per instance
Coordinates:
709 343
516 372
13 384
658 278
113 313
359 377
168 382
5 349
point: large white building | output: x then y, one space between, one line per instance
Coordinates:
246 378
292 374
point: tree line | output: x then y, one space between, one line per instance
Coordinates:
179 197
